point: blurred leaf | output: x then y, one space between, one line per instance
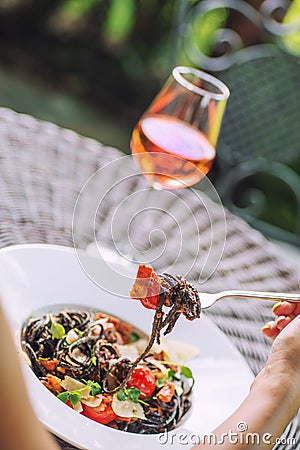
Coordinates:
292 40
201 31
78 8
204 27
120 19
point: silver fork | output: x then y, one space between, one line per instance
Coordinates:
207 300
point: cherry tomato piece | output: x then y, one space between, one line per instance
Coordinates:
149 302
146 287
143 379
153 291
102 413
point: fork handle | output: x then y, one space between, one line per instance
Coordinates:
276 296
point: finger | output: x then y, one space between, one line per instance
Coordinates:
282 321
286 308
297 309
290 336
270 330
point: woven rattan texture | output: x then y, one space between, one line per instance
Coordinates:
42 170
256 82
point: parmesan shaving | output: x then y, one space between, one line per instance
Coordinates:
71 385
127 408
71 336
93 401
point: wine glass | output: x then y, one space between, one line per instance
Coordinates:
174 142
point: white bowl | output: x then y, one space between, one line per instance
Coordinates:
35 276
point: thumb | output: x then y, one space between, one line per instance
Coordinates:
291 332
286 347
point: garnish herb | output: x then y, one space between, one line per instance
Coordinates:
143 402
160 382
133 393
93 362
63 396
95 387
57 330
170 375
80 333
134 337
121 395
186 372
74 397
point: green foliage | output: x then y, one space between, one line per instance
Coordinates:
120 20
201 32
78 8
115 53
292 40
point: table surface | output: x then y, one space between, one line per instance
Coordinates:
42 170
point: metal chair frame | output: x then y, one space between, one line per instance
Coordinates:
240 163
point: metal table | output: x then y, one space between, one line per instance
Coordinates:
42 170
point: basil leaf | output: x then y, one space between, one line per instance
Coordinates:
95 390
186 372
134 337
56 329
121 395
160 382
92 383
63 396
171 375
74 398
134 394
95 387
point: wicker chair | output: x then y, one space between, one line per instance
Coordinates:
257 171
43 168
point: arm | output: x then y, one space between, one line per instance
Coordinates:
19 428
274 398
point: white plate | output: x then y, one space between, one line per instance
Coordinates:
34 276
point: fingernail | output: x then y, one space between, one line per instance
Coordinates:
266 327
280 318
276 306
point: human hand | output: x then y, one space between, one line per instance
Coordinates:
284 360
285 312
274 397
